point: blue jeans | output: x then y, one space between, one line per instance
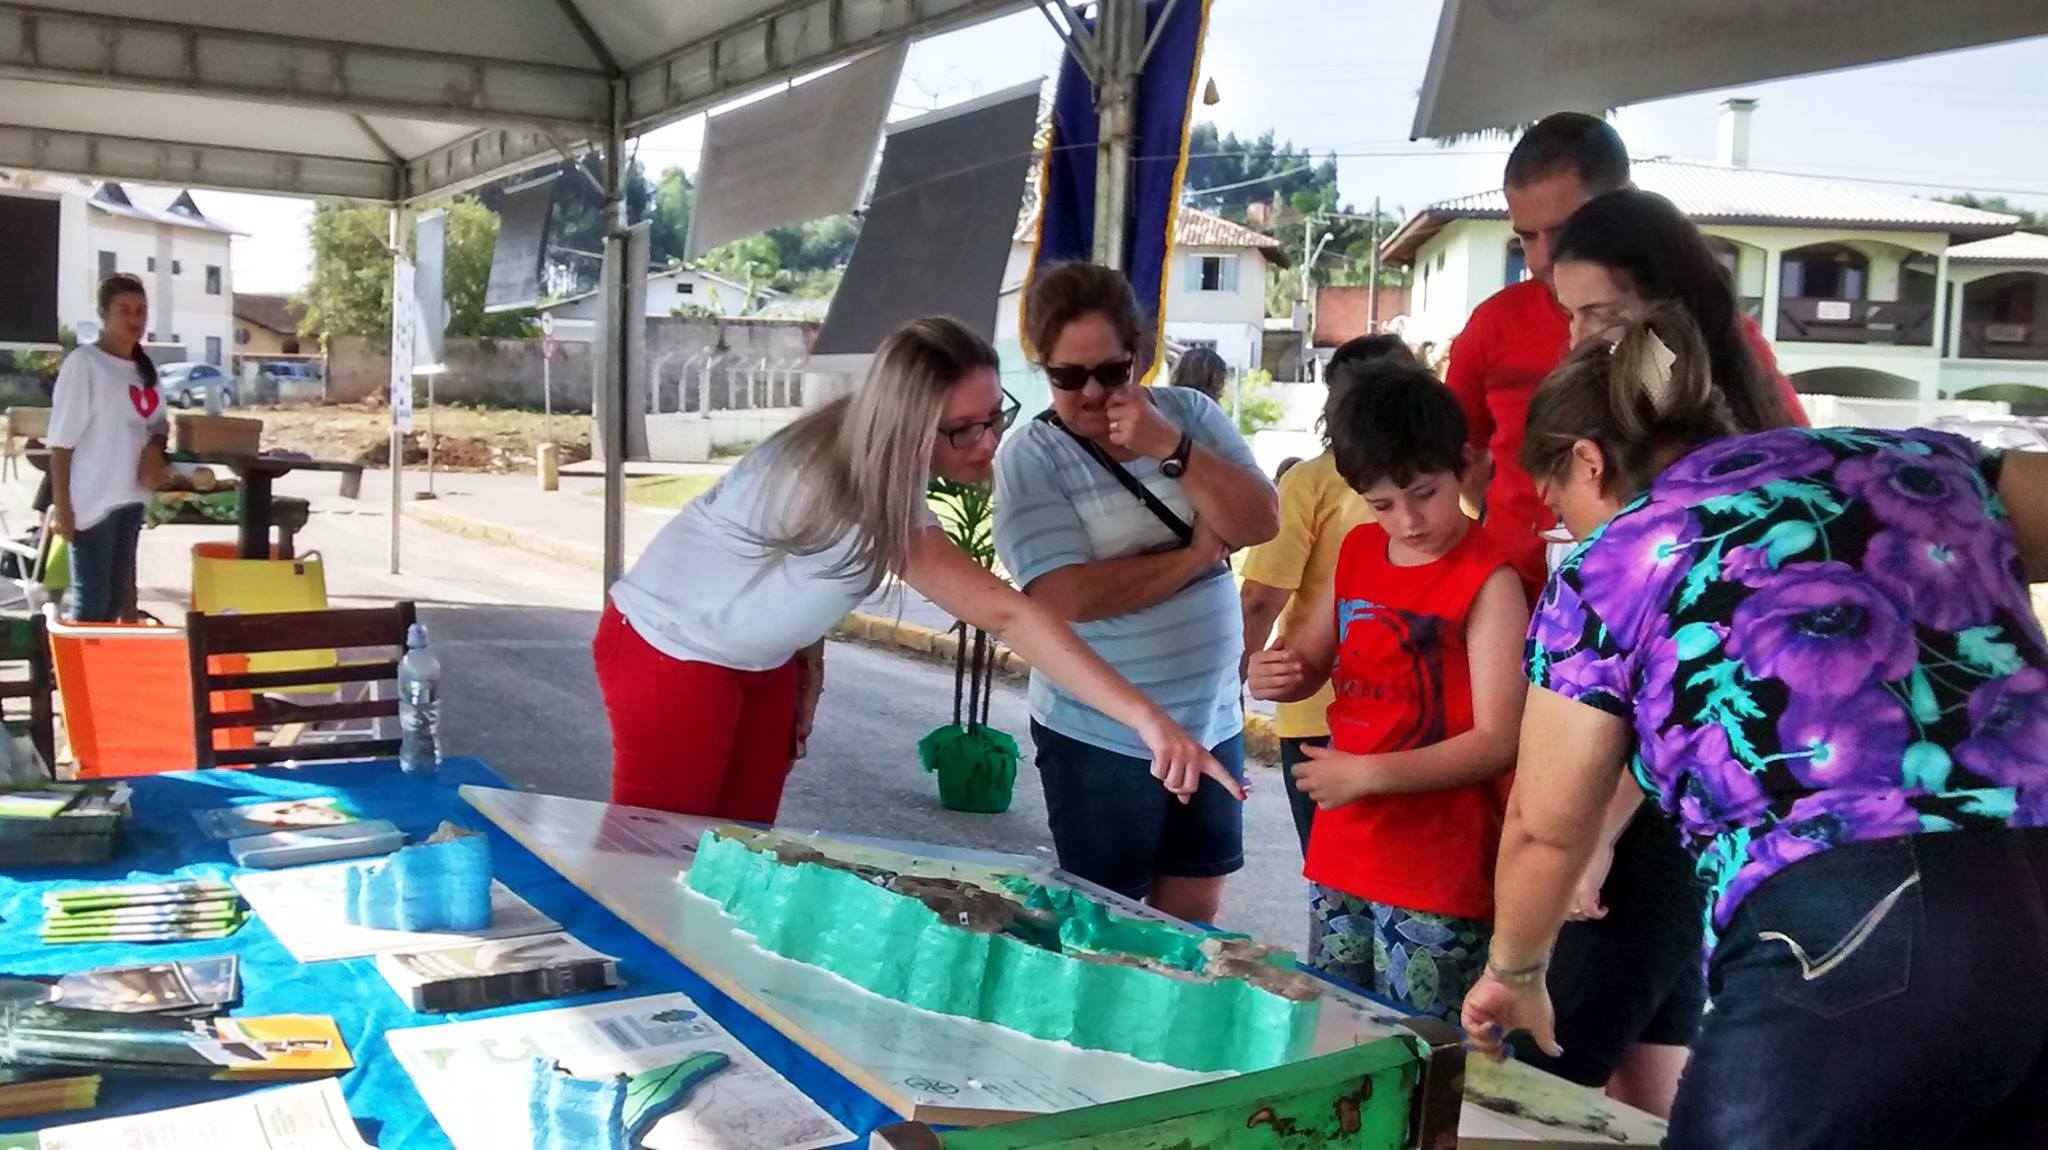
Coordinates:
1299 804
1116 826
103 566
1885 993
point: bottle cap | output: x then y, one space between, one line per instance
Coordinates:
416 635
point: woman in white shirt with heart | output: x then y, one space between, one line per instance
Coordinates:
107 431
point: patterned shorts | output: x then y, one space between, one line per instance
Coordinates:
1423 961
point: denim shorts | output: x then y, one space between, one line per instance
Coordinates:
1116 826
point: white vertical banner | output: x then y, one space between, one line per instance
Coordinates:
404 315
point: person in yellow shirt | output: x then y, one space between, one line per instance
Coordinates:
1283 577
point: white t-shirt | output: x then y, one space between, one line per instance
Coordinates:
704 591
101 411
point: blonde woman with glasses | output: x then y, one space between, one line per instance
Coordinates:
711 651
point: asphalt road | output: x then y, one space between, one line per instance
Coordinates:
513 631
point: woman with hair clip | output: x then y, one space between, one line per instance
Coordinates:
107 433
1626 976
1816 650
711 651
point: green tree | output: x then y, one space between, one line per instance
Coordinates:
753 261
669 233
350 289
2029 218
1251 397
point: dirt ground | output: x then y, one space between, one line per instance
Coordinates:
465 438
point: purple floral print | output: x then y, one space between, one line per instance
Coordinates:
1933 496
1821 637
2008 741
1942 583
1738 464
1857 741
1823 629
1642 555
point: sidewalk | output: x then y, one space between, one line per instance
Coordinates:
568 525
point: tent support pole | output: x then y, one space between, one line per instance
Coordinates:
612 424
1120 45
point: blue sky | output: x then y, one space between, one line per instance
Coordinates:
1342 76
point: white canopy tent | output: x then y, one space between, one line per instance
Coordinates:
396 101
1501 63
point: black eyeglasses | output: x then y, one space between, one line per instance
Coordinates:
1072 377
967 435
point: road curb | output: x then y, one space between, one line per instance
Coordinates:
881 630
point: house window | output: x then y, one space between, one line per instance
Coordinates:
149 337
213 350
1213 273
685 288
1518 262
150 264
1824 271
106 264
212 279
177 267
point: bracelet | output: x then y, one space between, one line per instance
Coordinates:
1522 976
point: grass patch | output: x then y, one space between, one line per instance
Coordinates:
663 492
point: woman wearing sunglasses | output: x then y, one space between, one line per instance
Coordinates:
711 651
1116 509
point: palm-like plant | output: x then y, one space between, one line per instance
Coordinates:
976 764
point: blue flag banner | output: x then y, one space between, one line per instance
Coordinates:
1066 219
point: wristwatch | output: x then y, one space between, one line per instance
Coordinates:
1176 465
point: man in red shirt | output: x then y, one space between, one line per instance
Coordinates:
1520 334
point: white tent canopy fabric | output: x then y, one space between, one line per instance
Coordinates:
1501 63
396 100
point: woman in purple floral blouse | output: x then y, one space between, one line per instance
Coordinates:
1817 652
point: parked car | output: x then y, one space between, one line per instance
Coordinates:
189 384
286 381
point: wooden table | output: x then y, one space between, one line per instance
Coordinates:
257 472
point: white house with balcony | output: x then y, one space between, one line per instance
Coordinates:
181 254
1215 297
1861 293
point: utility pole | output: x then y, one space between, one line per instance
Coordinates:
1372 298
1309 256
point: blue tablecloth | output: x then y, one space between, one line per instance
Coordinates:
163 841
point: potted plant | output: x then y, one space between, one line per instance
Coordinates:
976 763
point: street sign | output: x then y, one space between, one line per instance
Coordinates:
402 318
547 347
547 323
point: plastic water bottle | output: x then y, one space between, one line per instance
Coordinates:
419 705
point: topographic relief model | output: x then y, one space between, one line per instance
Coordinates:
1048 961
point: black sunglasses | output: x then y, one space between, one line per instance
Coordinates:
967 435
1072 377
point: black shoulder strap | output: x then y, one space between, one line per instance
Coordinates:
1174 523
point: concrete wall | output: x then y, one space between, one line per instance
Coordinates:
507 372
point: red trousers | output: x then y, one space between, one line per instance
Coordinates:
695 738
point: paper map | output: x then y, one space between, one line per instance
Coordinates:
467 1071
305 908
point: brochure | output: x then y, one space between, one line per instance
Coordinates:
280 815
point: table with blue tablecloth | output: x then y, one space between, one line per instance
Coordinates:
162 841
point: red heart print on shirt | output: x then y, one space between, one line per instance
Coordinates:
145 399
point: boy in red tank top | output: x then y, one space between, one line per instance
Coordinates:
1421 632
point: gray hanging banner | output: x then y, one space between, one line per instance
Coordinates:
801 154
29 229
522 247
939 229
430 255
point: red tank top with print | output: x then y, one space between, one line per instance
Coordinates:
1403 681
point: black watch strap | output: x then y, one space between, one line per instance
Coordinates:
1176 465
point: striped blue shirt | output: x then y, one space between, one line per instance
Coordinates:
1056 506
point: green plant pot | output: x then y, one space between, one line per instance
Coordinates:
977 769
